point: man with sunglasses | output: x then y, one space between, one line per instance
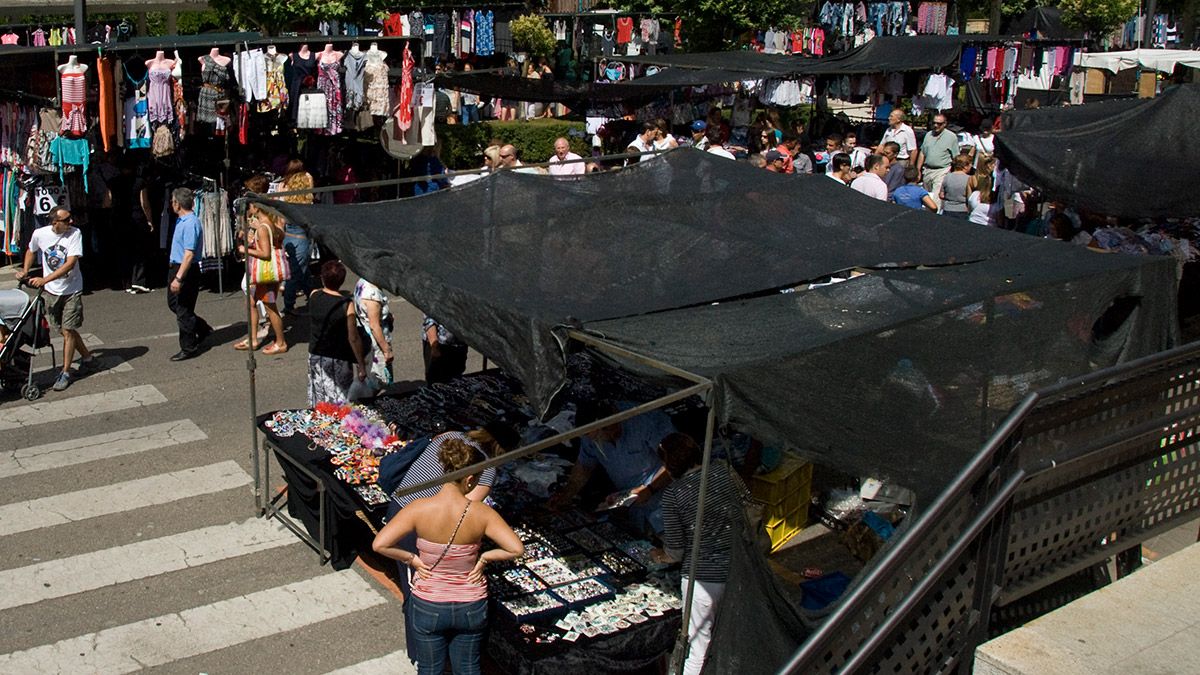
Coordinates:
938 149
60 246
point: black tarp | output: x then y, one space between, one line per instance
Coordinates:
1082 155
1043 23
899 373
547 90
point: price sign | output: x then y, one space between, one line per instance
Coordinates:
46 199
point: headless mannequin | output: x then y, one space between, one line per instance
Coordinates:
303 53
216 55
330 55
273 54
355 50
72 66
374 53
160 62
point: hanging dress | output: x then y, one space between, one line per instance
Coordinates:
214 76
329 82
108 102
161 109
375 78
74 104
277 90
355 67
304 72
404 101
137 114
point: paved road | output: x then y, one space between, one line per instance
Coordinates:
128 536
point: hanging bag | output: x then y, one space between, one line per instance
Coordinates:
270 271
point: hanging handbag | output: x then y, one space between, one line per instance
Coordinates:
273 270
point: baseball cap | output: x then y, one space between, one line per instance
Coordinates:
773 155
699 125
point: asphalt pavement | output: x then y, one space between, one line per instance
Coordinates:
128 525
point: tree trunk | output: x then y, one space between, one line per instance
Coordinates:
994 19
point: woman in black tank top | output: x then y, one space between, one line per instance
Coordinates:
334 345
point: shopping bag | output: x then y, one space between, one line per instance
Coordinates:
275 269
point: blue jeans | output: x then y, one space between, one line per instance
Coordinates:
296 246
436 628
469 112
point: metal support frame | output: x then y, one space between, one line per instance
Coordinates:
241 206
274 507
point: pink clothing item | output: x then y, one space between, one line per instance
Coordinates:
448 582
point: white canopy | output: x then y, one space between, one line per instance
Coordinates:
1163 60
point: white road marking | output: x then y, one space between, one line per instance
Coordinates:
88 339
396 663
100 446
60 410
140 560
171 637
127 496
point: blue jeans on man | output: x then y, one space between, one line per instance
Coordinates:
297 246
469 113
438 629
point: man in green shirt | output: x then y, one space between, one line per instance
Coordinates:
937 152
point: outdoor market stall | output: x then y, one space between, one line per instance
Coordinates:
901 372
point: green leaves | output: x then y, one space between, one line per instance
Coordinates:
274 16
532 34
1097 16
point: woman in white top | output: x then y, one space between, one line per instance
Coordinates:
983 145
979 202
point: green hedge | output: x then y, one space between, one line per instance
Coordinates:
462 146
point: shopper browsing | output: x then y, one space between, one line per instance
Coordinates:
184 275
60 246
446 613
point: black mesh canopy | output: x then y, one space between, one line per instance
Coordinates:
1081 155
901 370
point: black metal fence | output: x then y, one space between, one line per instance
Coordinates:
1075 475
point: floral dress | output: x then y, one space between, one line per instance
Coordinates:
277 91
380 369
330 82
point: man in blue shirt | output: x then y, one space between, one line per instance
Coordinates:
184 275
628 453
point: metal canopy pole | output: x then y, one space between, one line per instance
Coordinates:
684 643
80 21
241 206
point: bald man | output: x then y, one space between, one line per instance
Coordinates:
562 153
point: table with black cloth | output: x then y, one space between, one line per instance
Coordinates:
350 523
631 649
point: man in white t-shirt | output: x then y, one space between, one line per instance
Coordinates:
643 142
714 144
60 245
562 153
870 181
901 133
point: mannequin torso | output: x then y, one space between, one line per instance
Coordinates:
374 53
160 62
330 55
72 66
219 58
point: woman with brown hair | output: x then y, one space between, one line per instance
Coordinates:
296 243
334 345
265 240
446 611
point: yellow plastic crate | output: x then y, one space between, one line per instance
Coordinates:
785 492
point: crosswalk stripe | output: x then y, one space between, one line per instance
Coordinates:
118 497
140 560
171 637
396 663
88 339
110 363
80 406
101 446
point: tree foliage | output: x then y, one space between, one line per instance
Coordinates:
532 34
273 16
1098 16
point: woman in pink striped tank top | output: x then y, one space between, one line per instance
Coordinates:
446 613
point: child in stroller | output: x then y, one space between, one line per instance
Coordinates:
22 323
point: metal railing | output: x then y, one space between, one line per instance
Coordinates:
1077 473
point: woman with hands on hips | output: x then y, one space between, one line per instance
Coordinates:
446 613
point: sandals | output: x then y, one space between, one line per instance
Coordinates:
274 349
244 345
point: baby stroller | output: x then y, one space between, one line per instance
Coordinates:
25 325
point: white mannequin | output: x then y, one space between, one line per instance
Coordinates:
374 53
330 55
216 55
355 50
177 71
160 62
273 54
72 66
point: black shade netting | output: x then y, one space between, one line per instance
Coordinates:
1078 155
549 90
904 374
503 260
891 54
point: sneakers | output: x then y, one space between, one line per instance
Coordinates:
137 290
63 381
